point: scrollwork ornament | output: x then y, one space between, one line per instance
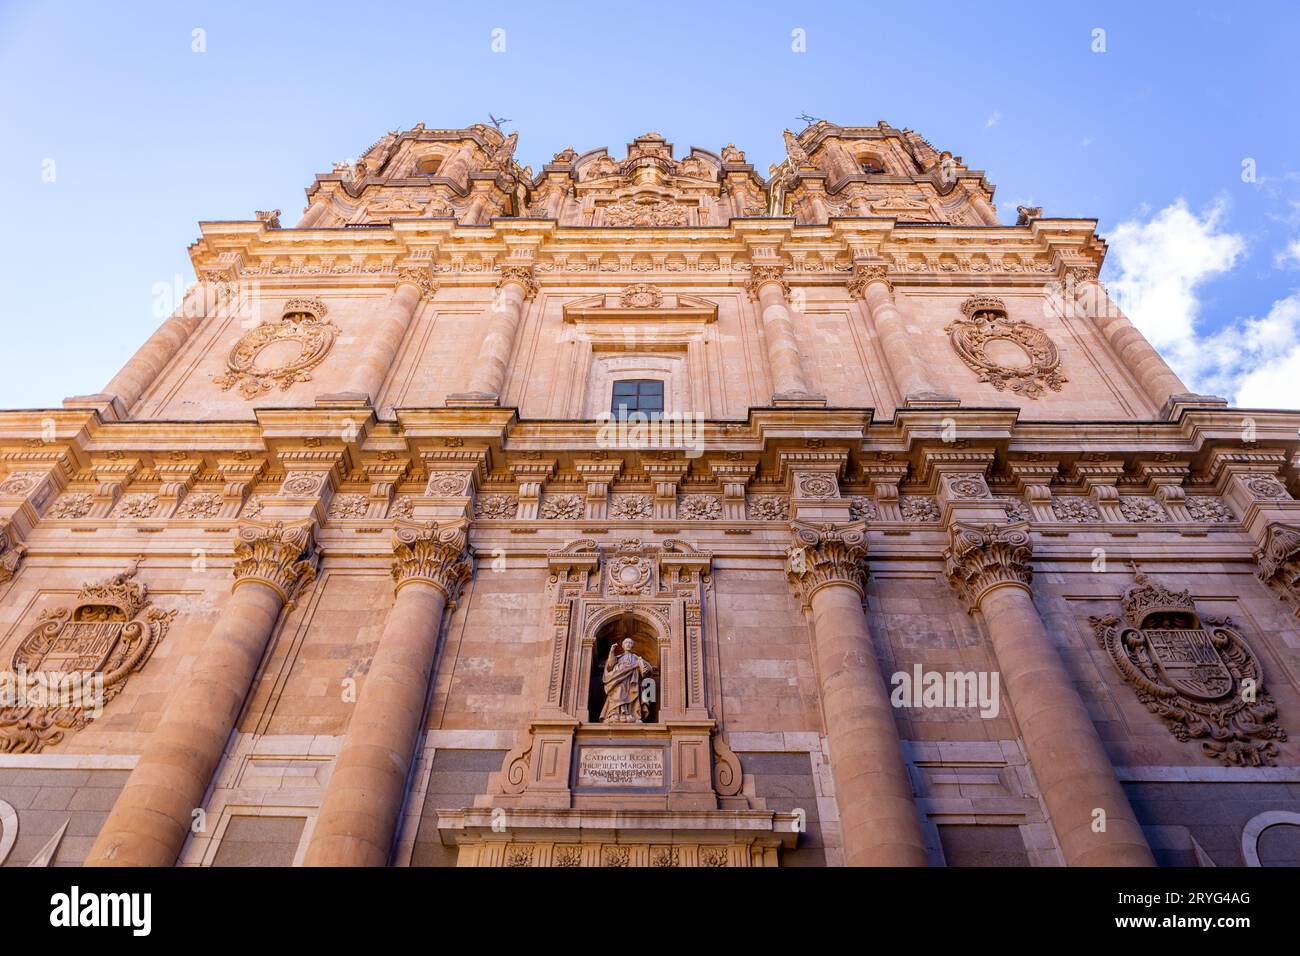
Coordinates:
817 486
303 325
986 321
1201 677
83 655
641 296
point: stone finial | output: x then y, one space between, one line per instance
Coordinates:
281 556
798 155
437 556
981 558
827 554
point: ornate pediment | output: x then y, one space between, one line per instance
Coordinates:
641 301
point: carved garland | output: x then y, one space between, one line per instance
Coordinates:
303 322
986 321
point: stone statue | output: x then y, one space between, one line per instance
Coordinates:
798 155
622 679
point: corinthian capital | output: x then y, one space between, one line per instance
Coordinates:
1279 562
760 276
437 556
421 279
981 558
827 554
521 275
864 274
281 556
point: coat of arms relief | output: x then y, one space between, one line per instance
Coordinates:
75 660
1199 675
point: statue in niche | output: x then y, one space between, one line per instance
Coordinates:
622 680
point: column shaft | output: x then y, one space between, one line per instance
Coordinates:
385 339
989 566
1143 361
358 818
878 814
154 812
904 364
1067 756
782 348
151 359
488 378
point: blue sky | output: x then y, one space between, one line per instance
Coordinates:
147 137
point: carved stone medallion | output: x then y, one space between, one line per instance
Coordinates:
1205 681
641 296
1004 351
280 353
77 659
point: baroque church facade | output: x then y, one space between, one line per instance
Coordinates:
648 510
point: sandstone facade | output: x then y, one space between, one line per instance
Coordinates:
345 546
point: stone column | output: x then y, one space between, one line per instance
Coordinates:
878 814
515 287
385 337
1152 372
767 287
989 567
870 283
151 359
153 814
363 801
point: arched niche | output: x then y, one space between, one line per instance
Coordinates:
646 639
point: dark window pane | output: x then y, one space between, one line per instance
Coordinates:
638 395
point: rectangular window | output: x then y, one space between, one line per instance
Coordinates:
638 395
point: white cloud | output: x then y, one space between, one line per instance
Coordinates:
993 120
1162 262
1267 357
1288 257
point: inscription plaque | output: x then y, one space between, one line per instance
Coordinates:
621 767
